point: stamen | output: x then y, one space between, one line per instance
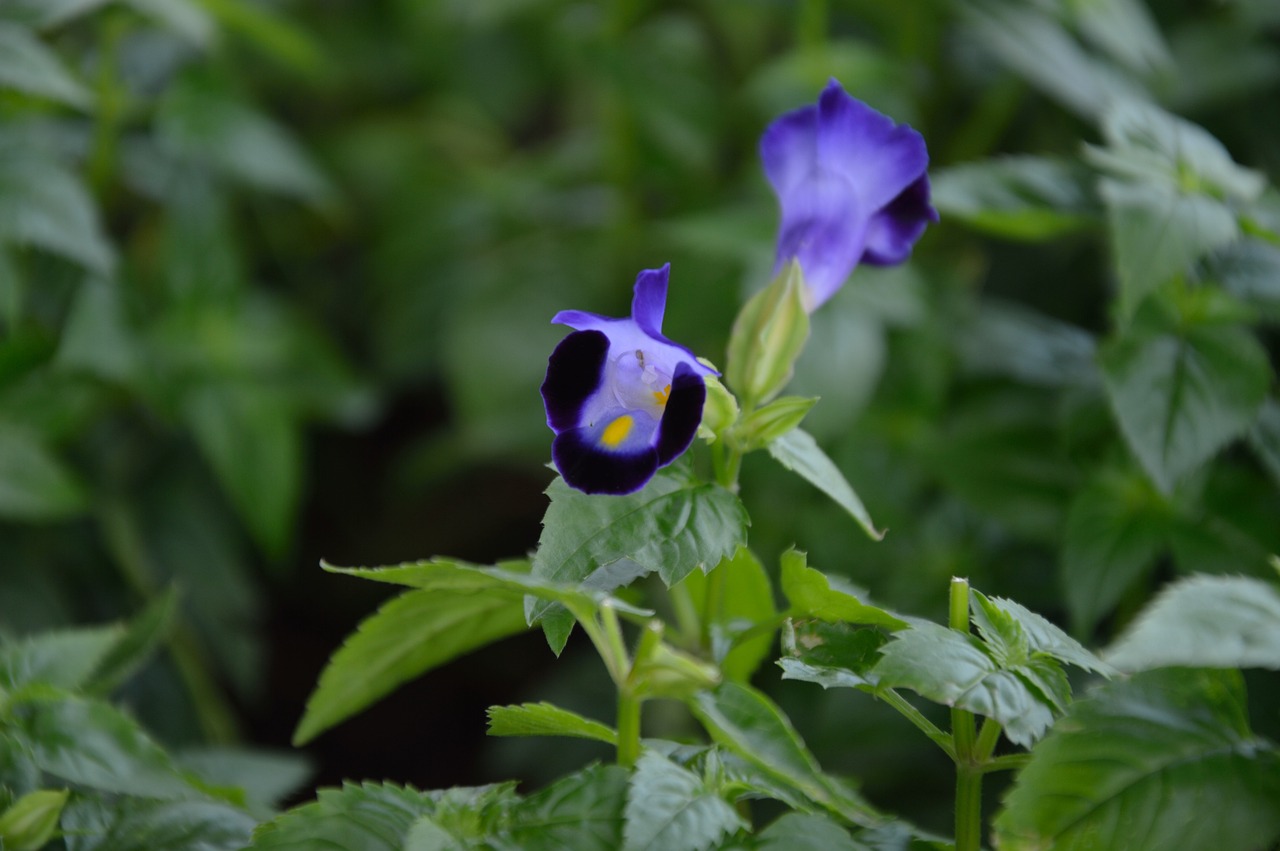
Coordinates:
661 396
617 431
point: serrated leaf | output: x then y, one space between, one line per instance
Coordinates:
1116 527
743 598
1205 622
1161 761
28 66
671 809
64 660
810 595
1022 198
672 526
45 205
93 744
266 777
804 832
34 483
370 817
544 719
583 811
408 636
955 669
1041 635
1158 233
1180 398
832 655
748 723
131 824
1006 339
799 452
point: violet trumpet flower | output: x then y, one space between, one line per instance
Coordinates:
852 186
622 399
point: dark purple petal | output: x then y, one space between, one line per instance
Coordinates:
894 230
650 300
877 157
682 415
574 372
594 470
789 149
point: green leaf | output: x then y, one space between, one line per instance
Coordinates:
803 832
765 425
411 634
671 808
1249 270
1180 398
45 205
131 824
184 17
1022 198
28 66
96 338
1159 150
1005 339
269 31
1264 438
462 817
93 744
267 778
799 452
1158 233
249 435
544 719
1040 635
956 669
34 484
671 526
743 599
370 817
65 660
1125 31
200 122
1163 760
1041 51
31 821
135 644
832 655
1205 622
810 595
1116 527
746 722
583 811
768 336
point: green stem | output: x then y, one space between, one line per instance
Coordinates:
711 604
914 715
686 612
628 728
1008 762
988 736
110 103
969 768
727 462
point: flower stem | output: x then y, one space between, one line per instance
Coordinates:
727 461
914 715
969 764
628 728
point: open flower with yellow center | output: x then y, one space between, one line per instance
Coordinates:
622 399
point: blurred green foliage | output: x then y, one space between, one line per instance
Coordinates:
228 224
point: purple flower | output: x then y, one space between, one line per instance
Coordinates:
852 187
622 399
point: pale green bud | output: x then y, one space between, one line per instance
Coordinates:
30 823
768 336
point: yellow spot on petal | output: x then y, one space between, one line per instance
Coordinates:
661 396
617 431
